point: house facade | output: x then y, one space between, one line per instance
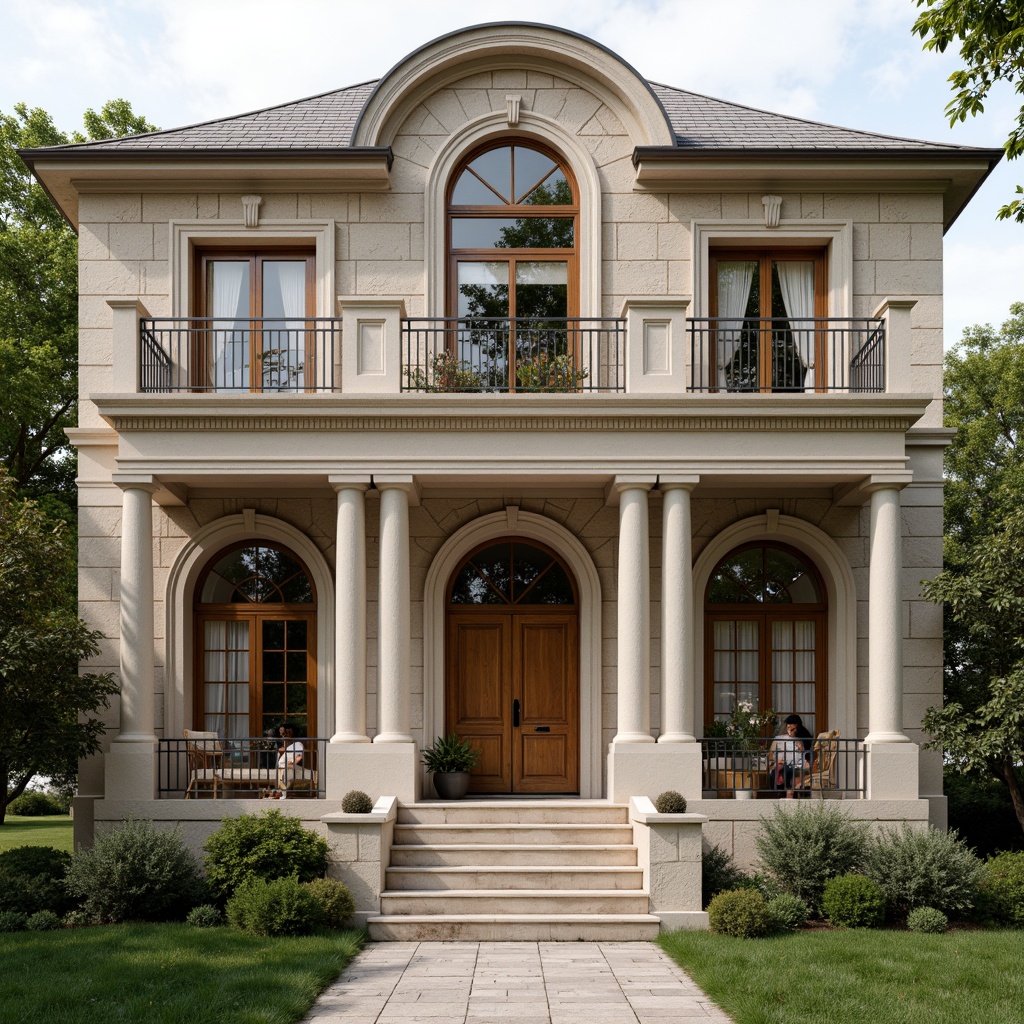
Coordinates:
515 396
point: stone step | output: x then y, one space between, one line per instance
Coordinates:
490 854
577 876
506 835
515 928
483 812
503 902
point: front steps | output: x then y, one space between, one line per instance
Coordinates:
503 870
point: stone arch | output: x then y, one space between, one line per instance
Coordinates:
841 591
181 582
529 526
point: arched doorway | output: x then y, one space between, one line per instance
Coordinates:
255 642
765 616
512 666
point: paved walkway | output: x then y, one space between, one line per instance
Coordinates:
513 983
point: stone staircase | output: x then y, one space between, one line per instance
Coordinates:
506 870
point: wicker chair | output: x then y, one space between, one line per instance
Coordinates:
204 758
821 775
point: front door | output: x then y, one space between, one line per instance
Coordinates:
512 668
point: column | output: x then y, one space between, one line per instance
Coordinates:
350 614
634 607
394 695
677 681
885 618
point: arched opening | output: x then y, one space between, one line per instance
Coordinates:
254 629
765 620
512 627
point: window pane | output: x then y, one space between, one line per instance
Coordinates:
273 634
531 168
509 233
724 667
273 666
228 287
483 290
471 191
554 587
297 634
284 289
495 167
296 699
297 666
273 699
554 190
471 588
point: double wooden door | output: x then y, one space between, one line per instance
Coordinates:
513 692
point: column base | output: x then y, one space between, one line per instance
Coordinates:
892 771
647 769
378 769
129 770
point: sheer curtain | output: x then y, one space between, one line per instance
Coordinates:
735 278
227 358
284 303
226 678
796 282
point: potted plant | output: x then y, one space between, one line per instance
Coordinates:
450 760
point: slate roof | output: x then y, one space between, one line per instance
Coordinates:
327 121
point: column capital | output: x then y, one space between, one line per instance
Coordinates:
886 482
627 482
354 482
399 482
677 482
136 482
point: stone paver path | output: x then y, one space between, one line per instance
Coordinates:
513 983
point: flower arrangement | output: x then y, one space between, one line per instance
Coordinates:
746 725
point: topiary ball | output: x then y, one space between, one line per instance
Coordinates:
741 913
206 915
927 920
853 901
355 801
671 802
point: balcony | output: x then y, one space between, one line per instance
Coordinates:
834 768
521 355
791 355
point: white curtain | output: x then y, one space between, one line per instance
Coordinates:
796 281
284 302
226 683
228 356
734 282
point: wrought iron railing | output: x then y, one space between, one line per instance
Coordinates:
221 354
793 354
525 354
246 767
827 766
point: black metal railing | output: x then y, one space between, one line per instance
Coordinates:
221 354
791 354
525 354
246 767
826 767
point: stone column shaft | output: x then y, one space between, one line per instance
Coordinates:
350 611
677 682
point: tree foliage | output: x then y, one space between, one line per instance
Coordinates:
39 304
981 728
991 38
47 710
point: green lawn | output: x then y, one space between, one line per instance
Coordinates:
170 973
56 831
859 976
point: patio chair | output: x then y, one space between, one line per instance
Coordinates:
204 756
821 775
293 776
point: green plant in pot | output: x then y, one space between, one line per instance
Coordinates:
450 760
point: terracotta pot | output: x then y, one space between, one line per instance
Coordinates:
451 785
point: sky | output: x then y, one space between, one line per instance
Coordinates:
847 62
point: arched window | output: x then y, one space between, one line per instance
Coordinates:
765 613
513 278
255 629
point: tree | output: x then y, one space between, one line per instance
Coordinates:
39 305
981 727
47 709
991 37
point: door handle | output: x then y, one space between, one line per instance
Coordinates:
515 713
542 728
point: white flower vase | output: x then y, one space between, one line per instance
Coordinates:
744 794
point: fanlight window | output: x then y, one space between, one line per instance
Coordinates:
257 574
512 573
763 575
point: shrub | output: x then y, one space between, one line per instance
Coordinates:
1001 893
802 848
136 873
355 801
671 802
788 912
206 915
35 804
32 879
924 868
718 873
741 913
266 847
283 906
43 921
335 901
12 921
927 920
853 901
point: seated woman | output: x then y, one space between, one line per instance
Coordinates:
790 754
289 758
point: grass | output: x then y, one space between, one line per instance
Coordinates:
858 976
169 973
56 831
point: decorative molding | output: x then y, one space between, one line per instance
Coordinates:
249 519
512 517
512 110
251 209
772 210
771 519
